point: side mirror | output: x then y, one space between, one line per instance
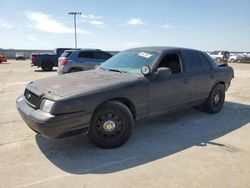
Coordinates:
145 70
163 72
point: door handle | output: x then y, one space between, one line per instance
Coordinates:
185 81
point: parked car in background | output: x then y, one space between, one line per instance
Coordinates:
47 61
80 60
235 57
3 58
220 56
246 57
20 56
134 84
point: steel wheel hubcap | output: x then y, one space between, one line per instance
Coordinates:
109 126
216 98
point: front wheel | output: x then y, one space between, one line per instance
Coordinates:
111 125
215 100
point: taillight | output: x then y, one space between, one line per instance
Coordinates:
33 58
64 61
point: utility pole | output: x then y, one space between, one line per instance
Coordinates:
74 14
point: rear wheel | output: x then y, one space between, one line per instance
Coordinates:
111 125
47 66
215 100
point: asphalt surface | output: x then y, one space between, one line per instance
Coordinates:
184 149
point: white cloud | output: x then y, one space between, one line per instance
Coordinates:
135 22
94 20
32 37
91 17
46 23
6 24
166 26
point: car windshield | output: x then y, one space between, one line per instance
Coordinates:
130 61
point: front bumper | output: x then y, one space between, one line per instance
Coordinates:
53 126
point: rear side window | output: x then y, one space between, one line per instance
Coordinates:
66 54
86 54
102 55
195 61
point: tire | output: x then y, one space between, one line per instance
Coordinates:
111 125
232 61
0 61
215 100
47 66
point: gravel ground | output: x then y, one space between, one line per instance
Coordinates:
184 149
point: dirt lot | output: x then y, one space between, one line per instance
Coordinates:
185 149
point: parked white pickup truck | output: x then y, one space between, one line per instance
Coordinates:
220 56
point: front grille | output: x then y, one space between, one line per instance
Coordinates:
32 99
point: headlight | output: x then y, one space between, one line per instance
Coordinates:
46 105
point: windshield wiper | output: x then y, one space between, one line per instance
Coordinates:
102 68
113 70
116 70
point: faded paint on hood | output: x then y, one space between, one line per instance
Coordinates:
80 82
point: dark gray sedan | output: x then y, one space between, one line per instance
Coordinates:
134 84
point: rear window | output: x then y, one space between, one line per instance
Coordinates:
66 54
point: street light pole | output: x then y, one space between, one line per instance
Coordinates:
74 14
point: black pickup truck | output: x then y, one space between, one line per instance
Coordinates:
47 60
134 84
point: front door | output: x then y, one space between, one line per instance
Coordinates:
169 93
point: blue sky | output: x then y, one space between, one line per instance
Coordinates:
121 24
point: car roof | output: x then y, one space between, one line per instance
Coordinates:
159 48
79 50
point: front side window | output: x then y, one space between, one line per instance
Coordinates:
173 62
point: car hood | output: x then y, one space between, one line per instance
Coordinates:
80 82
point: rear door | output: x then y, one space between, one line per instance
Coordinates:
201 75
86 60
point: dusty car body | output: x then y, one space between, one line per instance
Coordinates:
134 84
